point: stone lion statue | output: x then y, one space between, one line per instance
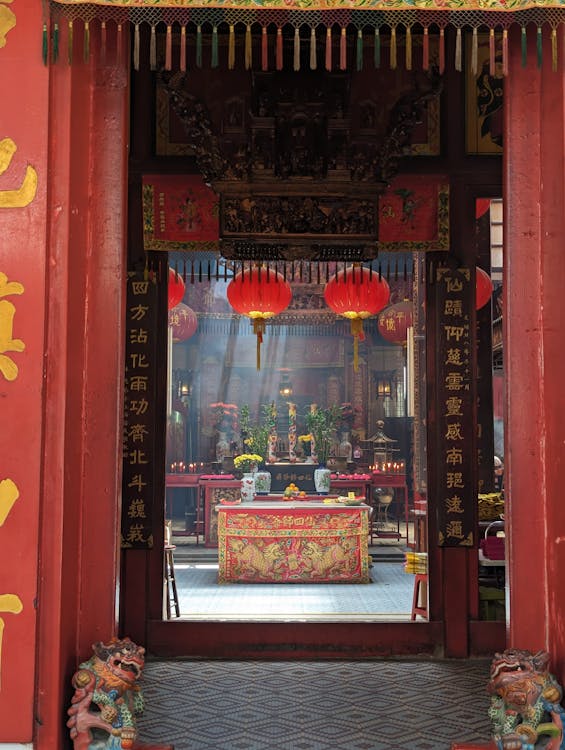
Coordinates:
107 698
525 702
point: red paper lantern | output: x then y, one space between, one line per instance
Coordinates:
183 321
176 288
357 293
259 293
484 288
395 320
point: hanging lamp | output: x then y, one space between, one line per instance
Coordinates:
357 293
259 293
176 288
483 288
395 320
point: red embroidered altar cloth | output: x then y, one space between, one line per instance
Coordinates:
293 543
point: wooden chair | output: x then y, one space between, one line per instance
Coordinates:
171 593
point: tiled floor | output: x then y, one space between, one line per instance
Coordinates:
388 596
336 705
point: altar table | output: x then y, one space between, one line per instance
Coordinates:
293 542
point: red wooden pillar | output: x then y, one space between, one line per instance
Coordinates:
23 195
534 352
62 249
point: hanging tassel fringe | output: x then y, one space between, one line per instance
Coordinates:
153 49
492 55
393 59
458 53
279 50
214 50
359 55
119 42
199 46
169 49
313 58
70 39
103 42
45 45
231 48
136 47
55 49
51 38
264 49
182 60
343 49
248 54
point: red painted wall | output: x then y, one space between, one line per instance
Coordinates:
23 119
533 351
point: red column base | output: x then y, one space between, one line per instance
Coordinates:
145 746
474 746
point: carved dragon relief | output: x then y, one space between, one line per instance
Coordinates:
293 180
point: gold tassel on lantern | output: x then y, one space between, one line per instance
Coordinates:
358 335
258 330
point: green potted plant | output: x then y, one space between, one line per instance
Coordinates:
322 424
255 437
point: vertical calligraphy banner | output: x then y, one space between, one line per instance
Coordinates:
139 412
456 508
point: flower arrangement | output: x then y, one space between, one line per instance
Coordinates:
225 417
256 436
246 462
322 424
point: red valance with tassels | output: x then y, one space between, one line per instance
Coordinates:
336 33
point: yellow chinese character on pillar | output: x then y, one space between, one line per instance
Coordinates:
7 22
8 603
9 493
8 367
23 195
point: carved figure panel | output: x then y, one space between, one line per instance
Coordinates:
318 216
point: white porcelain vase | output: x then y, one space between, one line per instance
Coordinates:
345 447
322 479
262 482
248 487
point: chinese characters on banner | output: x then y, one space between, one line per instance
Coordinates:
456 506
139 407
